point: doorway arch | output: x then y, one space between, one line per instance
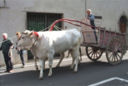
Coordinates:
123 23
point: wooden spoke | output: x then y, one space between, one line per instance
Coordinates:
113 52
93 53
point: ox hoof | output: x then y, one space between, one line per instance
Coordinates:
49 75
71 67
57 65
37 69
75 71
40 78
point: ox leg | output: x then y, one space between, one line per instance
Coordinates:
44 64
36 66
72 65
41 68
62 57
69 51
50 59
75 55
80 54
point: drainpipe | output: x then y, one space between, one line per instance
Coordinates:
5 3
85 7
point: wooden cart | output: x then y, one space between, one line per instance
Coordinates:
112 43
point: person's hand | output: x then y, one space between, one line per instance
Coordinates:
12 47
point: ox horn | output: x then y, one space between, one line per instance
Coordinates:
26 32
34 33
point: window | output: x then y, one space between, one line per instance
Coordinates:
98 17
98 21
39 21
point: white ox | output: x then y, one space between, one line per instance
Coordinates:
45 44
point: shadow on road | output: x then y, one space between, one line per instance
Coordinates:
61 75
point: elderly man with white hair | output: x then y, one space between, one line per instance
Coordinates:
91 17
5 47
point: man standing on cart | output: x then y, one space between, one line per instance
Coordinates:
91 17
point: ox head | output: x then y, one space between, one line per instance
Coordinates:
27 39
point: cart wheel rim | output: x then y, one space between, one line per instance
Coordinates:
114 52
93 53
114 57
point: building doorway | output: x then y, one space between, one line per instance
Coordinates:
39 21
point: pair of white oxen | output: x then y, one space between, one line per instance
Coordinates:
44 45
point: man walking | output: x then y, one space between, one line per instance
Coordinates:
5 47
18 34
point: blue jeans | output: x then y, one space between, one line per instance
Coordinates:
21 56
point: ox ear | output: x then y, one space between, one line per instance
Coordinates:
31 34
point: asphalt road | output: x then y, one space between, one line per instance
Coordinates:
94 74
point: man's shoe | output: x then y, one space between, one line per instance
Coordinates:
10 71
22 66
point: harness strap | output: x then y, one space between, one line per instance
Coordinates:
70 21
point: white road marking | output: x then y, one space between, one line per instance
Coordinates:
108 80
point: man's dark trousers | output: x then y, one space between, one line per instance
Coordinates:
8 62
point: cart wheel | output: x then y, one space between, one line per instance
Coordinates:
93 53
114 52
